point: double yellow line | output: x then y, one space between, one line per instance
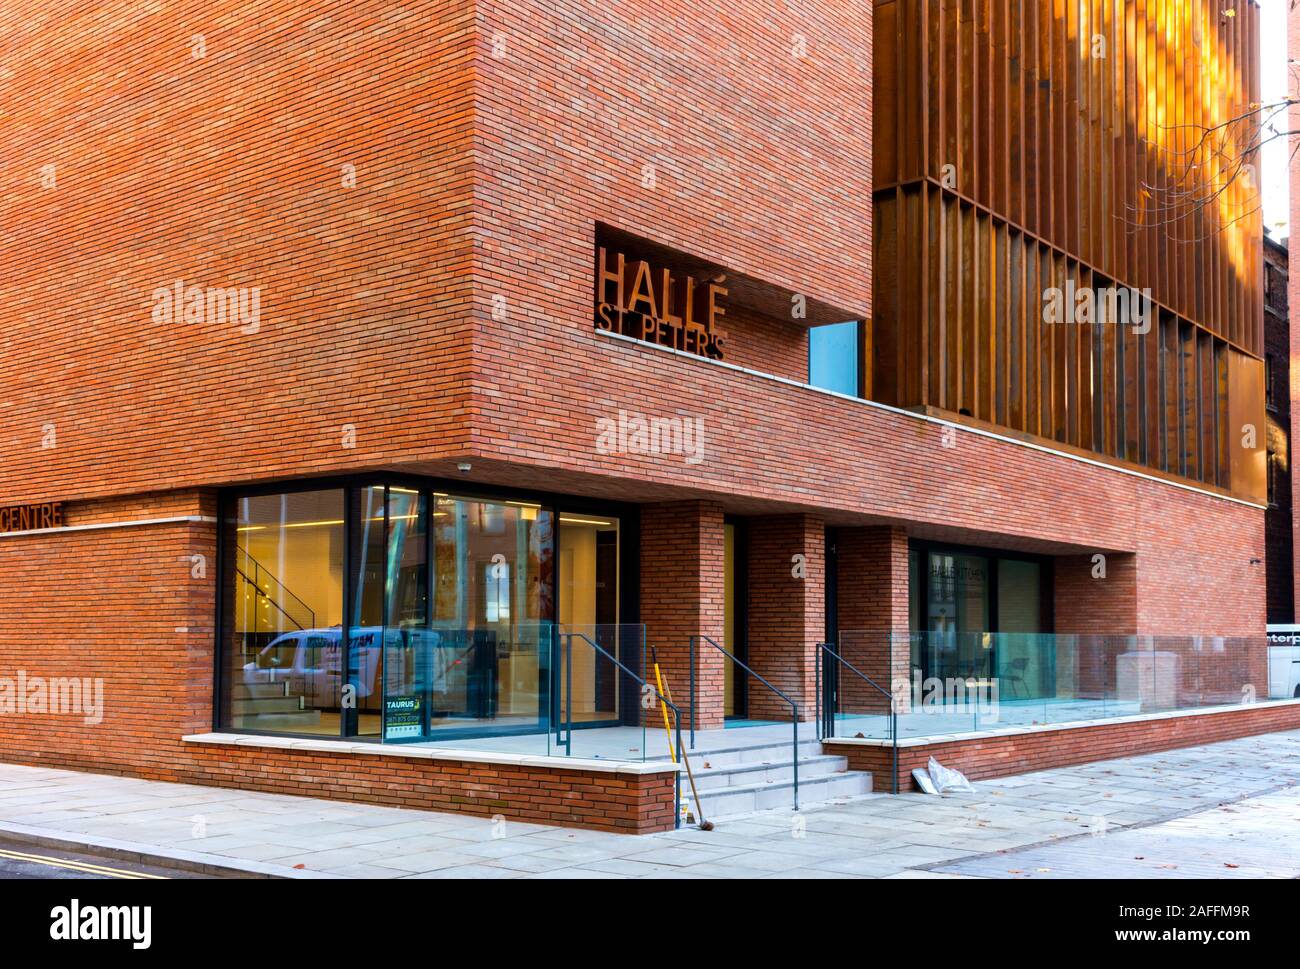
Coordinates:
76 865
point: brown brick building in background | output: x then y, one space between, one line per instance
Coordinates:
1279 539
402 376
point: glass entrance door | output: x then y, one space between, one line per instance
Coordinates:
588 582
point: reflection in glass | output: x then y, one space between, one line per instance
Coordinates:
284 656
449 605
406 606
366 631
958 603
473 650
1026 666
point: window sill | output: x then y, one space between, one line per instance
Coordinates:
414 752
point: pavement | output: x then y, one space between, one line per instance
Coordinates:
1217 810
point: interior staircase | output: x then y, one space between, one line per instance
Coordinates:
268 705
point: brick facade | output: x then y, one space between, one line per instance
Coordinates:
787 612
873 616
625 803
1096 594
423 239
132 607
681 597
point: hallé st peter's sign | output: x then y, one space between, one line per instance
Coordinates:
26 518
659 305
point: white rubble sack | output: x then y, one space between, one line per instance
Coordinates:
942 780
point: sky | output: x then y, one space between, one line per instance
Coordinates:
1273 87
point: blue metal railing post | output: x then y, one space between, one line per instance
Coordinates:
693 704
553 684
794 723
677 713
677 808
893 734
568 698
817 692
794 711
893 711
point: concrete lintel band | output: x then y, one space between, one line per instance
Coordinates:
99 526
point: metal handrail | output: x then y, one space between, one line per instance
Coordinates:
794 707
260 569
825 717
568 707
257 590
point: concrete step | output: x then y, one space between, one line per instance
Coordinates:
751 754
765 772
748 798
257 691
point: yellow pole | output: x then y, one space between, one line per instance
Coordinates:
659 680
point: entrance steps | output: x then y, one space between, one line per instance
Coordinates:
738 777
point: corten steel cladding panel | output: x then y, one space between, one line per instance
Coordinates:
1027 144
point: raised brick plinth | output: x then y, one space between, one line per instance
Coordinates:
1003 754
612 799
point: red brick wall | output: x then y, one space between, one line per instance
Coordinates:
767 345
872 603
379 300
227 170
1021 753
442 306
123 605
626 803
1090 600
786 614
682 595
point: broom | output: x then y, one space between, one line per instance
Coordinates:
666 692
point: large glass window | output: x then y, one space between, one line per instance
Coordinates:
283 652
483 653
957 611
449 605
980 616
833 357
363 704
1025 664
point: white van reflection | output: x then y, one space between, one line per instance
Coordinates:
1284 661
310 661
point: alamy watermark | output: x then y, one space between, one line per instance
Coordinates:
1083 305
24 695
215 305
953 695
633 433
75 922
